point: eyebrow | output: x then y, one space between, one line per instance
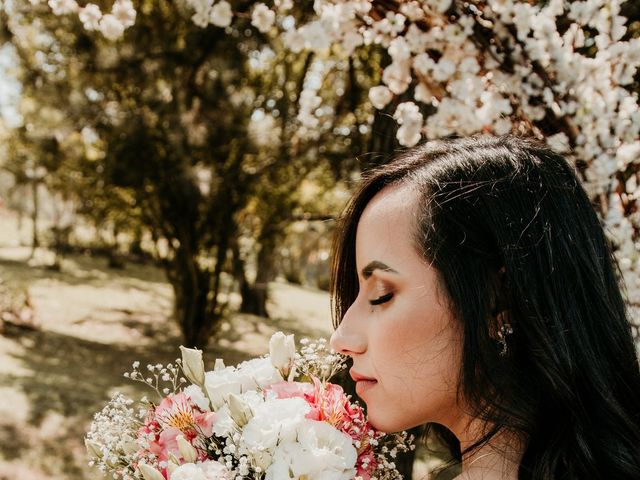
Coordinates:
376 265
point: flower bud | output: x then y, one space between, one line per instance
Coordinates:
149 473
282 350
219 365
94 449
192 365
187 451
239 410
171 466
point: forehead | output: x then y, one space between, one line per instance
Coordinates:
386 227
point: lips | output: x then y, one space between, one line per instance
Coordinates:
357 377
363 384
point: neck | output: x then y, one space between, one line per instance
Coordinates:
499 458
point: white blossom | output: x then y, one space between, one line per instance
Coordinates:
397 76
380 96
111 27
559 142
412 10
409 118
124 12
221 14
63 7
90 16
262 17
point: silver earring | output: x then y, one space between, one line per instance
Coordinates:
503 333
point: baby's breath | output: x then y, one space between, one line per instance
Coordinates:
165 380
316 359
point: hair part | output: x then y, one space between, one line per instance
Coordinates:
510 230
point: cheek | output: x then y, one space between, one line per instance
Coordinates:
427 349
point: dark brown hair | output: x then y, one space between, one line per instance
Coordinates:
509 229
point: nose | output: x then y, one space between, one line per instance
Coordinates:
347 338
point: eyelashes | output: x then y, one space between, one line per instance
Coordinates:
382 299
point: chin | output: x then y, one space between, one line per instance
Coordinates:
386 424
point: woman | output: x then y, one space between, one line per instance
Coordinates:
475 292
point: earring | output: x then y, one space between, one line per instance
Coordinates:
503 333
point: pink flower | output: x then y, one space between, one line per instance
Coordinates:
176 415
291 389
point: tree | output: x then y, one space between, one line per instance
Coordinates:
177 141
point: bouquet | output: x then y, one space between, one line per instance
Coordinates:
274 417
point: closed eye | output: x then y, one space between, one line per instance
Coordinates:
382 299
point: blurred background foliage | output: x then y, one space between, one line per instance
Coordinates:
182 145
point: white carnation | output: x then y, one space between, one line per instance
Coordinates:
274 422
206 470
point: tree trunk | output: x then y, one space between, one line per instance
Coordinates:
255 296
191 286
35 242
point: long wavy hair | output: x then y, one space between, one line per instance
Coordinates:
512 235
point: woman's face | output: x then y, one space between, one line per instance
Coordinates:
404 341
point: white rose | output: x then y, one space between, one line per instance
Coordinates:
262 17
221 14
380 96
